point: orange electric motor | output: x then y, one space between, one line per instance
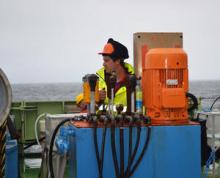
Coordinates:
165 83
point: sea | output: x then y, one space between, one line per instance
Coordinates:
207 90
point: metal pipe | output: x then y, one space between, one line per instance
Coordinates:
92 102
112 102
139 101
132 84
112 88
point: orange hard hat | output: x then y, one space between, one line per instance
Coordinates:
108 49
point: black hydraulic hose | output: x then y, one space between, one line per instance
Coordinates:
100 159
96 148
214 103
52 143
130 161
121 152
143 151
129 148
33 143
103 147
114 154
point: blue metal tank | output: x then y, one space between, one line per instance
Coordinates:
173 152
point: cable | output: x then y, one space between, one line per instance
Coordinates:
52 143
33 143
103 147
214 103
35 127
121 152
143 151
129 149
134 152
96 148
96 144
114 155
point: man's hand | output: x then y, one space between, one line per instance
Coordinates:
102 95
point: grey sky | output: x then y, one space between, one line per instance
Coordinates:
58 41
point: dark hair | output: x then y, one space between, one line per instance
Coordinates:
122 63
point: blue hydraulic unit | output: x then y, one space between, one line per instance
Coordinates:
171 151
96 149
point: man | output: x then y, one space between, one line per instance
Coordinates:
114 54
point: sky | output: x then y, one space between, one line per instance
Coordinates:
51 41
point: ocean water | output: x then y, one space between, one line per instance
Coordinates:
208 90
45 91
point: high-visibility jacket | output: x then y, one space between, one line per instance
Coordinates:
120 95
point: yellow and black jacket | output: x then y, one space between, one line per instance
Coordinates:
120 95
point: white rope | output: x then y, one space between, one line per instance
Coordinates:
36 124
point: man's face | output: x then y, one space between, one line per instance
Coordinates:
109 64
